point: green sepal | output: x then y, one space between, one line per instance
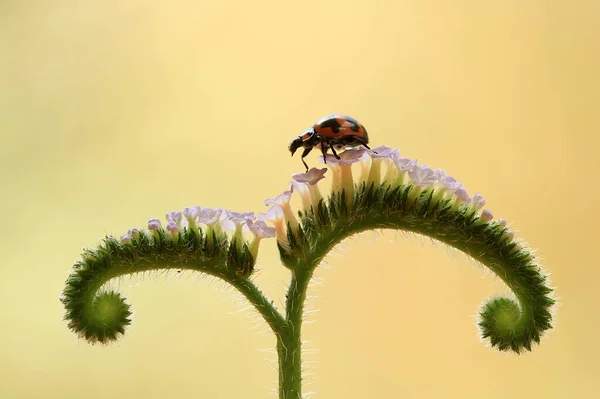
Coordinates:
240 261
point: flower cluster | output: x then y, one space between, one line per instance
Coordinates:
218 222
398 171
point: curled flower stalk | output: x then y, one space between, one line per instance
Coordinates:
225 244
101 316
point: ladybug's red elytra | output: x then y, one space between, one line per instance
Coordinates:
337 131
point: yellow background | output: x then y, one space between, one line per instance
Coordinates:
114 112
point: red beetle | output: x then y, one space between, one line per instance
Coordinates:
337 131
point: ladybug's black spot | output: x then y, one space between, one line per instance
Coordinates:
333 124
351 119
354 127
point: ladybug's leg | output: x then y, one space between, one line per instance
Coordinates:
363 143
334 153
305 153
324 151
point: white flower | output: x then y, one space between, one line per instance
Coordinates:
439 174
422 176
462 196
371 166
346 158
154 224
281 199
134 233
174 217
235 221
342 169
486 215
191 214
307 185
383 151
125 239
312 177
478 201
209 216
449 183
172 227
404 164
509 234
261 229
303 189
240 217
275 216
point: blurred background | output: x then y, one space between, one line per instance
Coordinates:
115 112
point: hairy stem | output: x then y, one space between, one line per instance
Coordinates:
261 303
289 342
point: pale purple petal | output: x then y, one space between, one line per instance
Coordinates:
134 233
228 225
261 230
125 239
174 217
478 201
439 174
154 224
347 161
422 176
509 234
191 213
281 199
240 217
299 187
462 195
331 160
501 222
404 163
172 226
486 215
274 213
311 177
346 158
351 156
517 247
209 215
384 151
449 183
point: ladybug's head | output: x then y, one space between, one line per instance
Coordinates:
295 144
306 139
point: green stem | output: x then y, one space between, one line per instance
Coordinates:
261 303
289 343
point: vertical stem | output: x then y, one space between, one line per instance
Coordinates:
289 344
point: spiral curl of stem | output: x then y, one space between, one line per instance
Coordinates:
507 324
103 316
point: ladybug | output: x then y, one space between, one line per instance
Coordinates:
332 131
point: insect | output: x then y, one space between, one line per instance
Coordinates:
332 131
